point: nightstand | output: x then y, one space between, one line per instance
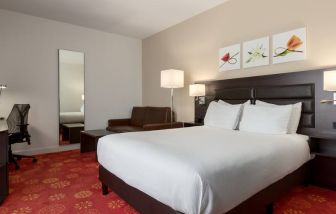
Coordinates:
324 164
191 124
89 139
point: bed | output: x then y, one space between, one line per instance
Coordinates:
185 180
202 169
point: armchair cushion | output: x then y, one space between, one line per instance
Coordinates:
143 119
159 126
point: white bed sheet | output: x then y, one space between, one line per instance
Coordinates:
201 169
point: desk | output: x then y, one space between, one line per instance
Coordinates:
4 185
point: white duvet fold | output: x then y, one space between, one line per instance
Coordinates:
201 169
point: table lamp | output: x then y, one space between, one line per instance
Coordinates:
197 91
329 84
172 79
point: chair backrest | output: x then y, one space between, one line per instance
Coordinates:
18 116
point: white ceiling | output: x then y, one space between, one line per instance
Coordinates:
135 18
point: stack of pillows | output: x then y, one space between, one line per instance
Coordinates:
260 118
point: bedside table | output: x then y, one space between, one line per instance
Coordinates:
191 124
324 164
89 139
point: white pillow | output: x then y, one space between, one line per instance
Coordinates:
295 115
265 119
222 116
248 102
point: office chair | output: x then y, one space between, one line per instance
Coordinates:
18 131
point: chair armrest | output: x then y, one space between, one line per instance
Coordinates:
158 126
23 124
119 122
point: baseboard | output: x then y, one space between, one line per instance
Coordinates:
47 150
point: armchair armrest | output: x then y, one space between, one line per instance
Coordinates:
119 122
158 126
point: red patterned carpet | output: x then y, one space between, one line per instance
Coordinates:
67 183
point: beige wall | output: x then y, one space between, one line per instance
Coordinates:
29 66
194 44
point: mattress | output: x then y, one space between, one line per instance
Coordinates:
201 169
71 117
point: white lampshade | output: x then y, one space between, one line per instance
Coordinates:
172 78
329 81
197 90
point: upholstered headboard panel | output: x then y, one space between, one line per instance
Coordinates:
290 94
306 87
279 94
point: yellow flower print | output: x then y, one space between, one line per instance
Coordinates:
83 205
116 204
83 194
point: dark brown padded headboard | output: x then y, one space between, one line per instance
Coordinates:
288 88
281 95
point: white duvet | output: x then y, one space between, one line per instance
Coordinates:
201 169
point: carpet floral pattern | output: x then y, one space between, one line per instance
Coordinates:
67 182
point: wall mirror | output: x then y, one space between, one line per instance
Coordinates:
71 96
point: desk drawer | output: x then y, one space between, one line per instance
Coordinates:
4 186
3 148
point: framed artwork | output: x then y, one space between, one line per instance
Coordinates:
289 46
256 52
229 58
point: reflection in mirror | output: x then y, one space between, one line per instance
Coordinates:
71 96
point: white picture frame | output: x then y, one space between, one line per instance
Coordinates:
289 46
256 52
230 58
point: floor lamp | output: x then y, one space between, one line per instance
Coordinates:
1 88
172 79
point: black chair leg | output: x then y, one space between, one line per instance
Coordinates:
19 157
13 158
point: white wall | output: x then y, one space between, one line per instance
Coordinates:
193 45
29 66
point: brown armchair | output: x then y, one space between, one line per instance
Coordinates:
144 119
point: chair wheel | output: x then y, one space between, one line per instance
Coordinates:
34 160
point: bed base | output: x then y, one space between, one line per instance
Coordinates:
261 202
